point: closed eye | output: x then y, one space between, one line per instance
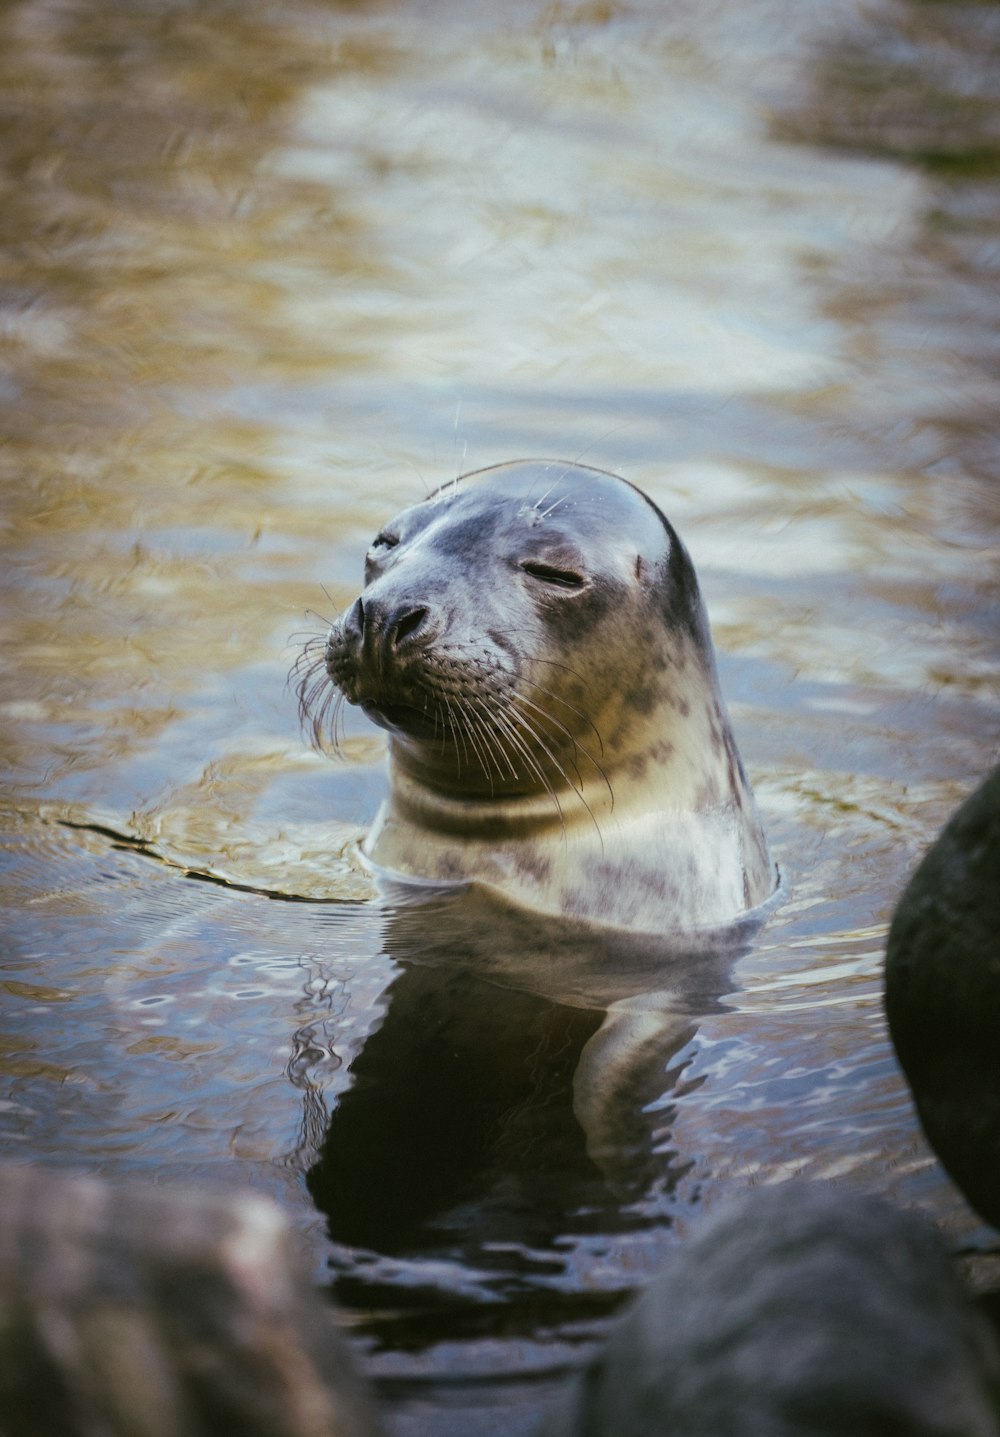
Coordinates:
558 578
385 540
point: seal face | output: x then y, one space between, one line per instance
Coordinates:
533 639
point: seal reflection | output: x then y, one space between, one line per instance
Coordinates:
462 1103
516 1094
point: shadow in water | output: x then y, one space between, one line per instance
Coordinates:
461 1100
513 1106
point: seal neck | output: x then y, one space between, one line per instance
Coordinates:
497 816
548 777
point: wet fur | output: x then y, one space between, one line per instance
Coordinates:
533 638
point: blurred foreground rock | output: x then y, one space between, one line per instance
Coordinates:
161 1312
942 995
798 1310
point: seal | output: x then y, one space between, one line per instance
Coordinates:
533 639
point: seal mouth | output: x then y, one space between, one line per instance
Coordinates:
399 718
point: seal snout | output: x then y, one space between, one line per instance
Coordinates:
374 627
376 655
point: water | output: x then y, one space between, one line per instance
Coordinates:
269 277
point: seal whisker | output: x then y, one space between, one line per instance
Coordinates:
490 733
542 497
308 638
302 676
465 441
477 736
540 732
608 434
564 473
507 719
503 730
550 718
546 513
327 716
440 723
490 671
578 747
320 701
309 656
507 745
490 713
470 739
529 727
456 731
564 703
313 685
576 788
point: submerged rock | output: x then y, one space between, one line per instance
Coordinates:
140 1311
797 1310
942 995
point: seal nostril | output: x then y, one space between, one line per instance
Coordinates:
356 619
406 625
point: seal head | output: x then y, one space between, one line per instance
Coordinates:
533 639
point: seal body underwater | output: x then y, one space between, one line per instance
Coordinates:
533 639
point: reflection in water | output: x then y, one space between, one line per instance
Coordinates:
463 1097
516 1096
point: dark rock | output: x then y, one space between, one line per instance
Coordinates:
798 1310
141 1311
943 995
